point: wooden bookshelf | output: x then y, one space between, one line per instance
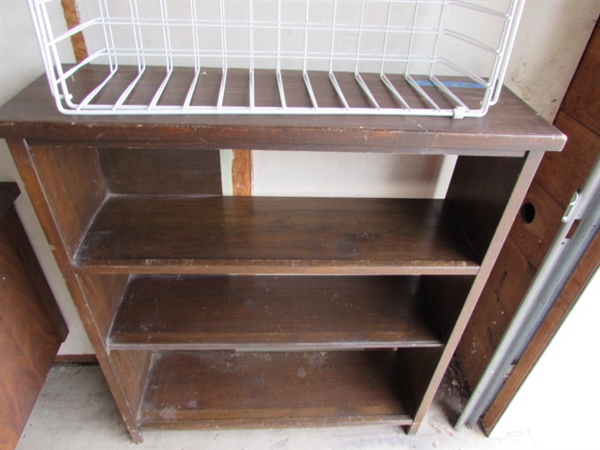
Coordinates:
212 311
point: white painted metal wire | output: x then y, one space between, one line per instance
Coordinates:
451 55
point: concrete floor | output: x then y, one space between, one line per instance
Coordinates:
75 411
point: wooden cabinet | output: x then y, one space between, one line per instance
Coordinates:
211 311
31 324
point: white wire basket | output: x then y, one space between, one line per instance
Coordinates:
394 57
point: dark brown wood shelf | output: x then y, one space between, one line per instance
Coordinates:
266 312
212 311
269 389
265 235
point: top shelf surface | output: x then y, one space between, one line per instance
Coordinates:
262 235
510 128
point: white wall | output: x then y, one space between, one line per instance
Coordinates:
548 47
350 175
550 41
558 402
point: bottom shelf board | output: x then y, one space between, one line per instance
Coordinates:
221 389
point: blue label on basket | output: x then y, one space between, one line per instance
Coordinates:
452 84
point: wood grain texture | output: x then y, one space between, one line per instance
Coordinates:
133 367
535 237
512 272
275 235
9 191
498 303
478 193
447 295
45 296
31 177
482 335
241 172
563 173
419 367
31 328
105 292
270 313
508 282
510 126
173 171
74 188
221 388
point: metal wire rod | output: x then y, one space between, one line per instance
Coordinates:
338 90
366 90
161 89
388 84
309 89
192 89
419 90
128 90
86 101
442 87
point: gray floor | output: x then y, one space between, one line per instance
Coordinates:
75 411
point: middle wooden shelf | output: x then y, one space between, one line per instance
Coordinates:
202 312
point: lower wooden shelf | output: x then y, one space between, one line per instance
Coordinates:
273 313
221 389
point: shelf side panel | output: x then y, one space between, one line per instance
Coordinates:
160 171
478 193
104 294
133 368
73 186
447 296
419 365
